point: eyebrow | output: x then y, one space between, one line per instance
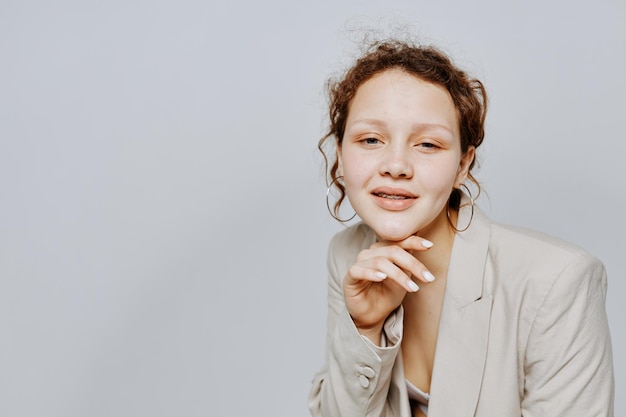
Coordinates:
416 126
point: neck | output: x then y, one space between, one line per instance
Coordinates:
442 235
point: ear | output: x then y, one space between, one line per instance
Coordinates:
464 166
339 161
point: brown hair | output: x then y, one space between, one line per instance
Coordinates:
425 62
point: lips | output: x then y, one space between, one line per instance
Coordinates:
393 198
393 193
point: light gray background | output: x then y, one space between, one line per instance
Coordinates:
162 220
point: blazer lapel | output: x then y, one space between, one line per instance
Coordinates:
464 324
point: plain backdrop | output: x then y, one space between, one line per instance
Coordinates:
163 228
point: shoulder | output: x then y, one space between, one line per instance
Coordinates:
534 254
356 236
524 244
346 245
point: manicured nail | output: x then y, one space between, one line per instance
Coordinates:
428 276
380 275
413 286
427 243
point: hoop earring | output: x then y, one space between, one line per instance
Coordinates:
471 215
328 204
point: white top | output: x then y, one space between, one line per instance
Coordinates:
419 396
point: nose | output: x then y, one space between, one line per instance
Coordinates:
396 164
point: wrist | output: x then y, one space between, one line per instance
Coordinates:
373 333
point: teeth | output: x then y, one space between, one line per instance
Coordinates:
392 196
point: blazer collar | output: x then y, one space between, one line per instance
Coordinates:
469 256
464 325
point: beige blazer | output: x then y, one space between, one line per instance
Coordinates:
523 332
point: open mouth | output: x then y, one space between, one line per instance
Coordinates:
393 196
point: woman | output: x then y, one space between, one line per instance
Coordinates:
434 310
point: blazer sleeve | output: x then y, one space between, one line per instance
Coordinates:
568 361
356 377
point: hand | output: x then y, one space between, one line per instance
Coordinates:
378 281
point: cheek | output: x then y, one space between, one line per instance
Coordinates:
439 179
356 171
354 181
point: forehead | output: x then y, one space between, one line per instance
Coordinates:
396 95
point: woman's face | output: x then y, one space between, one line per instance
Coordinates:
401 154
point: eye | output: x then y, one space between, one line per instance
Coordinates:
370 141
428 145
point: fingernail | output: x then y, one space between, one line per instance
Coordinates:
413 286
428 276
380 275
427 243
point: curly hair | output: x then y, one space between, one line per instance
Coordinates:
425 62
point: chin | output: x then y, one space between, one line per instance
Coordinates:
393 233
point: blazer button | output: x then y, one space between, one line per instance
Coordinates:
364 381
368 372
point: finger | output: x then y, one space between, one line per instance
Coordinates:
382 266
410 243
415 243
360 272
409 263
400 257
